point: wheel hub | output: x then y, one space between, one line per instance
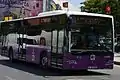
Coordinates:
44 61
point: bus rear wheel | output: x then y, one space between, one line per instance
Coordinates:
11 55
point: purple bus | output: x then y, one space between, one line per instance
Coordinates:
66 40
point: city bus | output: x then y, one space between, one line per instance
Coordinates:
67 40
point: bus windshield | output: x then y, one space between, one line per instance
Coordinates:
90 41
91 37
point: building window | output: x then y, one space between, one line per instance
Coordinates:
33 7
37 5
27 5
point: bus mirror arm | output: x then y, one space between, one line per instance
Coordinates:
69 22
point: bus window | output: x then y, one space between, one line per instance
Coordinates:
27 41
60 41
54 42
78 41
31 41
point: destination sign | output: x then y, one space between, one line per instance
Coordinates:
57 19
89 20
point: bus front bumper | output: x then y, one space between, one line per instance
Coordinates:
85 62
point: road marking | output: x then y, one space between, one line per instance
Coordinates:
9 78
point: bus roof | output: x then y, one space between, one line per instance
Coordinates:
60 12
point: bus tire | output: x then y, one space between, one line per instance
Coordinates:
44 60
11 55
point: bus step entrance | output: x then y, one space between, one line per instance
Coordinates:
21 57
57 61
56 65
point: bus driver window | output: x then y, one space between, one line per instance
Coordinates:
79 43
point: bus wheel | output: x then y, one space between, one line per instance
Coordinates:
44 61
11 55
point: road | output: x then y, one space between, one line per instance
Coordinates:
26 71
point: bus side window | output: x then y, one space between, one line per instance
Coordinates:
60 41
54 41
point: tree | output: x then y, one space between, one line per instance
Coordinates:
99 6
94 6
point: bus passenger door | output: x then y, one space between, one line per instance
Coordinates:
57 46
4 45
21 47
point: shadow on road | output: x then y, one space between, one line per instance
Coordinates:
35 69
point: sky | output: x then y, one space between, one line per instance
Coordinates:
73 4
76 2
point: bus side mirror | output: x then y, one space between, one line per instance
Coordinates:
69 21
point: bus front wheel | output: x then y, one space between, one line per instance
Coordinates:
44 61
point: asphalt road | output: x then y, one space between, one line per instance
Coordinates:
26 71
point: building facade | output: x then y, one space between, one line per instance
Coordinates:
32 7
21 8
27 8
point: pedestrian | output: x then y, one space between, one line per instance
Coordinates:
43 41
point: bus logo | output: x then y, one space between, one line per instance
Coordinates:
92 57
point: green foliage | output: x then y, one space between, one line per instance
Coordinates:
93 6
98 6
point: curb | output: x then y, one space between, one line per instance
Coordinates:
117 63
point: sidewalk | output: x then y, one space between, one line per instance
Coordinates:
117 58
